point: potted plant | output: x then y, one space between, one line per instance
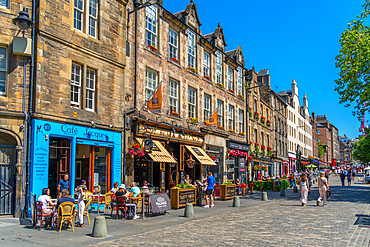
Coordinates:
194 120
220 127
256 115
221 85
241 133
263 120
251 186
207 77
174 59
136 150
194 70
263 150
250 112
244 186
227 191
182 194
269 149
256 148
152 47
231 130
174 113
268 123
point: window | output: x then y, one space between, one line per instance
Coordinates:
318 132
255 105
192 102
150 83
173 44
220 110
231 117
207 106
240 81
267 113
174 96
4 3
261 110
206 65
90 89
3 69
230 79
318 140
76 85
151 26
191 49
262 141
255 136
93 17
267 140
241 121
78 14
219 67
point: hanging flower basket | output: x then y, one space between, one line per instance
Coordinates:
250 112
264 168
256 115
136 150
236 153
268 123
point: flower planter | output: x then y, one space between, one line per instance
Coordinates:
227 191
179 197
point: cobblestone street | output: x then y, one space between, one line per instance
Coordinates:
281 221
275 223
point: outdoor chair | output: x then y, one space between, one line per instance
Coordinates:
108 201
138 200
39 214
66 213
120 205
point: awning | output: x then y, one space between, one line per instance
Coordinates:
159 153
317 161
201 156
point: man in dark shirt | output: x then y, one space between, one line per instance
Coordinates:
65 198
63 184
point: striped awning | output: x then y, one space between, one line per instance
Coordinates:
159 153
201 156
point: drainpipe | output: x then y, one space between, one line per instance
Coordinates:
135 61
124 143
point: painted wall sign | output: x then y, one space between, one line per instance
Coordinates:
43 130
237 146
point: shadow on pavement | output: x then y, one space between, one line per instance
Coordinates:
362 220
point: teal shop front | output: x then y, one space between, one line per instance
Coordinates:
83 153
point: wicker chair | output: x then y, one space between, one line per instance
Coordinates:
66 213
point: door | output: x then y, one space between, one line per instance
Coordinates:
100 169
7 178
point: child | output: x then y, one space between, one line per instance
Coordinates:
80 192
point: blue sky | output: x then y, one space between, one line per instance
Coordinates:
294 39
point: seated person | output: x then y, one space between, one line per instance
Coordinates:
145 188
115 188
121 190
46 201
65 198
134 189
186 179
238 186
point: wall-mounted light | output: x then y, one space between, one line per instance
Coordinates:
23 21
174 130
183 132
148 145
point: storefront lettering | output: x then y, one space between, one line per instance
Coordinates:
69 130
96 135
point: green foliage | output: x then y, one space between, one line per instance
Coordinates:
353 61
321 150
362 149
227 183
183 186
269 185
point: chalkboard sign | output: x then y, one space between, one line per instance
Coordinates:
186 196
230 191
159 202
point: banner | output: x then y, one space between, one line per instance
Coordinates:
155 102
212 120
159 202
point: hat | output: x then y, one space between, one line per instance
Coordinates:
122 186
83 181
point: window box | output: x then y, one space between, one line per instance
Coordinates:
220 127
256 115
194 70
268 123
263 120
220 85
207 77
152 47
241 133
174 59
173 113
194 120
240 96
232 131
231 91
250 112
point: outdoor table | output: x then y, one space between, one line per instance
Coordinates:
99 198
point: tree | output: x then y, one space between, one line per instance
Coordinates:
353 61
362 149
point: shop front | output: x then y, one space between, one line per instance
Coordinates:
89 154
263 167
236 162
176 152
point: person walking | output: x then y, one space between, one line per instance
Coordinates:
209 192
323 188
304 189
342 177
349 177
80 192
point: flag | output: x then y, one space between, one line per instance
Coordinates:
212 120
155 102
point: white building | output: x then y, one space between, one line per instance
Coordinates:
299 127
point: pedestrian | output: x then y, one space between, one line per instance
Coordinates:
209 192
80 192
291 182
63 184
303 188
310 178
323 188
349 177
342 177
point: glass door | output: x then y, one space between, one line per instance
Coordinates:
100 169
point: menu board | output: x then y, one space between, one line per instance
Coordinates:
186 196
230 191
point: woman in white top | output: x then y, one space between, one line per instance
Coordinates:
323 187
304 188
46 201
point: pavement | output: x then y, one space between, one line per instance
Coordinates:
280 221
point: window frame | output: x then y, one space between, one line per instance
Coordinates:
151 11
240 81
220 113
93 18
7 4
171 45
173 100
77 85
231 117
230 79
81 11
206 64
89 89
5 71
219 74
241 121
150 90
192 102
192 50
207 106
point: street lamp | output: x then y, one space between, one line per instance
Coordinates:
23 21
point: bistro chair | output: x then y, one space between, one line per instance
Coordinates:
66 213
39 214
138 200
108 201
120 206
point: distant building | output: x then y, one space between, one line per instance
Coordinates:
346 150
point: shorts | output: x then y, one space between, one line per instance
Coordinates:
209 192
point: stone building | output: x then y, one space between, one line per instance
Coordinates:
299 128
325 138
77 119
335 144
315 143
14 78
197 76
346 150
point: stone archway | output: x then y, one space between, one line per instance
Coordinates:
11 172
